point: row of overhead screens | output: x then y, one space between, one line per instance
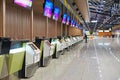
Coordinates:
21 17
25 57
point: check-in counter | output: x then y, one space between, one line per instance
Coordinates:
15 60
1 63
46 53
53 42
5 44
75 40
72 41
53 46
56 47
31 60
64 45
79 38
69 41
46 56
59 46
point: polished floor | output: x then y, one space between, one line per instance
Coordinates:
99 59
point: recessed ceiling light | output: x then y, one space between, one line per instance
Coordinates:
104 1
94 21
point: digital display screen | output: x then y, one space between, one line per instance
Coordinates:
56 13
5 44
77 25
15 44
64 18
33 47
48 8
24 3
72 21
74 24
68 20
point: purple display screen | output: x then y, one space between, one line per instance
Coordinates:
24 3
48 7
56 13
68 20
64 18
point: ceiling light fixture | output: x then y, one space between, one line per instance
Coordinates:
94 21
104 1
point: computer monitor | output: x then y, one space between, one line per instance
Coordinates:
64 18
50 40
38 41
4 45
18 44
15 44
56 13
48 8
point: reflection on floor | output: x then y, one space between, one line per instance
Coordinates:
99 59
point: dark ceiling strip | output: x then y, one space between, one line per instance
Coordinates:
100 10
101 13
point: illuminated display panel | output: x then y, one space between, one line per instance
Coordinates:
24 3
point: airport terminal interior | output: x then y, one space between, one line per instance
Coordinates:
59 39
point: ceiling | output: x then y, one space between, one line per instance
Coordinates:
98 14
104 14
84 11
81 9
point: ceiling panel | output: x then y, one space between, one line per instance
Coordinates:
84 9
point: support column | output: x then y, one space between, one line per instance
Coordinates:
31 30
61 29
4 17
47 29
55 29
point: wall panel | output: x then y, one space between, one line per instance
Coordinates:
101 34
58 29
116 27
51 28
74 31
39 25
17 22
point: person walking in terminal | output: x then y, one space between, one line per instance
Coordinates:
85 37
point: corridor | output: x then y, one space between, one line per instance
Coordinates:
99 59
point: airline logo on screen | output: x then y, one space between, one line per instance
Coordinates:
23 3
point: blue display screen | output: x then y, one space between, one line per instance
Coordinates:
77 25
72 22
64 18
56 13
68 20
48 7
